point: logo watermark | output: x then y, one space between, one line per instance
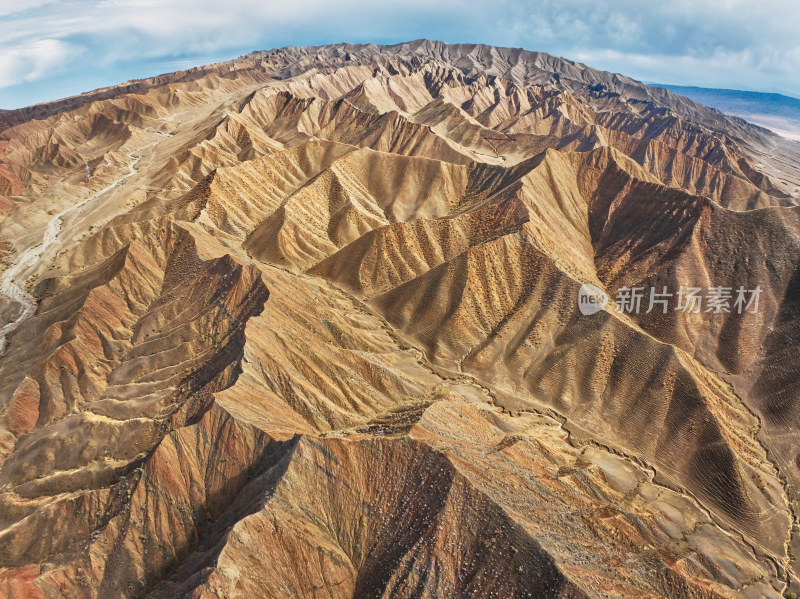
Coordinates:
591 299
689 300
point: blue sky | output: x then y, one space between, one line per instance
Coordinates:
54 48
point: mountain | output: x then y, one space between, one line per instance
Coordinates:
307 324
774 111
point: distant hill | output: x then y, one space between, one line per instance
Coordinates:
774 111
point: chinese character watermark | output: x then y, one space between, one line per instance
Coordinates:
689 300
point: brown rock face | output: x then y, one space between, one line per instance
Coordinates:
310 328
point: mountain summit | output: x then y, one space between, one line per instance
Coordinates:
312 323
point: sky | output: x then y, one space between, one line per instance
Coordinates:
51 49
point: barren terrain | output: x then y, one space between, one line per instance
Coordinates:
305 324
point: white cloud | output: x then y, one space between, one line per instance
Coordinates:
35 60
19 6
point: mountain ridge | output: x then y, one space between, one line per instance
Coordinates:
156 80
776 112
314 312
